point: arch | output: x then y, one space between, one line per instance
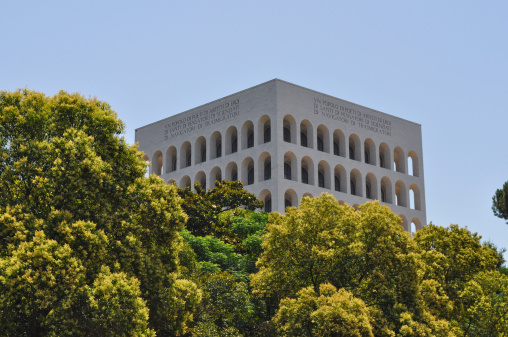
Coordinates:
385 157
404 223
290 198
201 179
399 162
185 155
369 150
231 140
232 171
323 139
215 174
355 183
324 174
157 163
147 165
355 147
386 190
247 135
289 129
306 134
248 171
307 168
340 179
371 186
266 196
290 166
413 164
185 182
264 166
339 143
216 145
414 197
172 182
415 225
264 130
400 194
200 150
171 161
308 195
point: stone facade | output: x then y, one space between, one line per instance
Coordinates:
285 142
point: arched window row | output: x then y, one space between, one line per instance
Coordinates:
202 149
336 143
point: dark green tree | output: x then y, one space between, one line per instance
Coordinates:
204 206
500 202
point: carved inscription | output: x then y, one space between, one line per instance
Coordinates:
352 117
196 121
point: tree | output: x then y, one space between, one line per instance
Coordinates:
333 313
366 252
500 202
88 244
204 206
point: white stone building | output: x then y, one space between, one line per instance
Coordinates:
285 142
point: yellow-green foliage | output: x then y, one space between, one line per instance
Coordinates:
88 244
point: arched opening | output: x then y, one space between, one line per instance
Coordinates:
200 152
290 198
400 194
170 159
414 197
307 167
290 166
185 182
248 171
354 148
307 195
157 163
147 165
404 223
232 172
371 186
185 155
386 190
264 130
289 129
369 149
339 143
306 134
216 145
340 179
355 182
399 161
172 182
215 174
413 165
231 140
385 158
247 135
323 139
324 174
201 179
266 196
415 225
264 167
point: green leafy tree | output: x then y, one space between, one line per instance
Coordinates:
500 202
333 313
485 300
453 256
85 238
366 252
204 206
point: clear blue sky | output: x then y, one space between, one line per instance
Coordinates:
443 64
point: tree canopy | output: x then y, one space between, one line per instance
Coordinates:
88 244
500 202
